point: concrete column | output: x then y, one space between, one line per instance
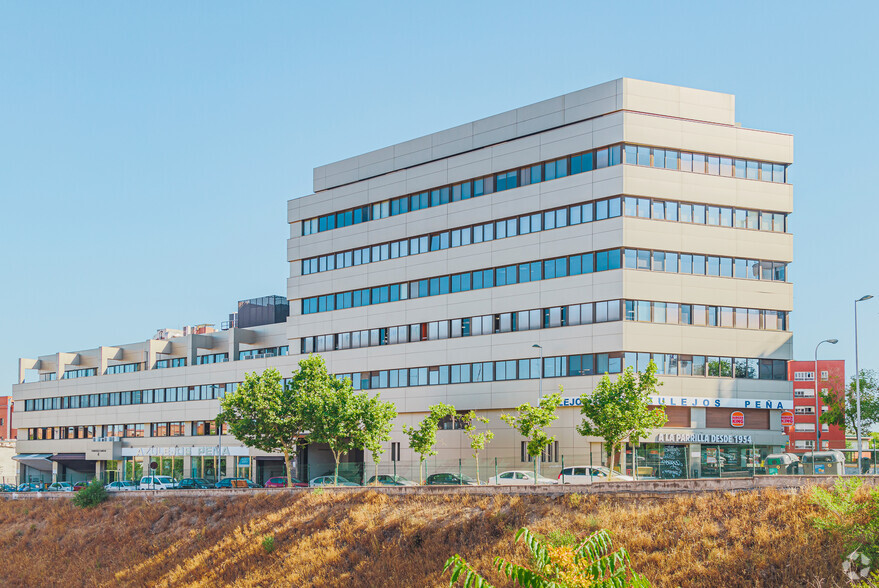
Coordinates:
54 471
695 463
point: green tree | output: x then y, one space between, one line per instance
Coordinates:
620 411
478 441
423 439
531 422
334 414
92 495
842 409
266 415
378 420
591 563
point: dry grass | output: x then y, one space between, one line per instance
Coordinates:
370 539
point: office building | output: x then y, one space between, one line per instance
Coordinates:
486 264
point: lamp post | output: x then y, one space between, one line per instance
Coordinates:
818 410
540 371
857 384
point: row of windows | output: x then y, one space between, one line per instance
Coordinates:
706 316
131 430
585 263
671 364
703 214
171 363
548 220
80 373
158 395
705 265
713 165
556 316
265 352
212 358
550 170
124 368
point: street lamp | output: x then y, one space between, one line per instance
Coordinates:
540 372
818 410
857 383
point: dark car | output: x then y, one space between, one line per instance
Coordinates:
281 482
31 487
449 480
194 484
7 488
236 483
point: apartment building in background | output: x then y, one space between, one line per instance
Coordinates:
486 264
802 434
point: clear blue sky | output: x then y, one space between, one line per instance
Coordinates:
147 150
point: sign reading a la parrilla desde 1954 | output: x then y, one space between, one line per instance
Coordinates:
703 438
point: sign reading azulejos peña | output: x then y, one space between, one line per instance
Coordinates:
704 402
703 438
208 451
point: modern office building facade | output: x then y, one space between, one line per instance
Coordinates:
803 434
543 247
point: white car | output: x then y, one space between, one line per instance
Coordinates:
60 487
121 486
157 483
519 477
590 474
329 481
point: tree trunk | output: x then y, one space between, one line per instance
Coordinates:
375 461
421 471
611 457
476 457
338 458
287 465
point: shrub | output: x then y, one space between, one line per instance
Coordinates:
852 512
268 543
591 563
92 495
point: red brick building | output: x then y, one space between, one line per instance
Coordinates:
7 433
830 376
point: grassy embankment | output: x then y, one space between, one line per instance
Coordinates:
371 539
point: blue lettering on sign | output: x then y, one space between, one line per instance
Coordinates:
758 404
747 403
717 402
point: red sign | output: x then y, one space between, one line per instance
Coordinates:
787 418
737 418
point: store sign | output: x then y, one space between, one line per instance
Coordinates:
705 402
703 438
737 418
102 450
183 451
787 418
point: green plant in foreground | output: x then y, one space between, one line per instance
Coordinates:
92 495
268 543
589 564
851 513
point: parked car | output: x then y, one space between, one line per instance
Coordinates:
157 483
31 487
281 482
60 487
449 480
7 488
330 481
519 477
227 483
121 486
589 474
389 480
194 484
79 486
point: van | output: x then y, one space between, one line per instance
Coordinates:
157 483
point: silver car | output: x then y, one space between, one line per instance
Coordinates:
590 474
516 477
